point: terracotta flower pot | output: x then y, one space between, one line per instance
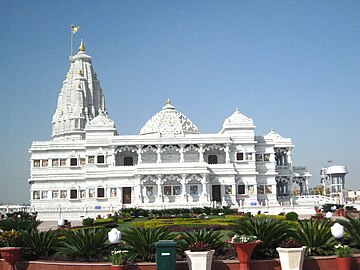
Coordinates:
11 255
119 267
343 263
244 251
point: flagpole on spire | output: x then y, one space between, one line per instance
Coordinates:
74 29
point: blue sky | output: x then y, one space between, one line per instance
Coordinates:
290 65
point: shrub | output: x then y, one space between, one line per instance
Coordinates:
352 228
40 244
271 231
199 246
140 242
88 222
292 216
290 243
89 244
327 207
316 235
213 238
22 223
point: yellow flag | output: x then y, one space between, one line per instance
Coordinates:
74 28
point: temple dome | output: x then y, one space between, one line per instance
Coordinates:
169 123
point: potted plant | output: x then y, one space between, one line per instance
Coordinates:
244 246
199 256
119 259
291 254
343 259
11 253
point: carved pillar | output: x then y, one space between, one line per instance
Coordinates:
201 152
183 186
159 188
139 153
158 152
288 157
227 153
181 151
204 192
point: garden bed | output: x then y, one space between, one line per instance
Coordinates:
310 263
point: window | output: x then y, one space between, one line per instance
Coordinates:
228 190
73 162
91 193
113 192
251 189
36 195
149 191
176 190
100 192
83 194
73 194
55 194
239 156
100 159
36 163
266 157
268 189
63 194
172 190
212 159
55 162
194 190
44 163
167 190
128 161
44 195
260 189
241 189
259 157
62 162
82 161
91 159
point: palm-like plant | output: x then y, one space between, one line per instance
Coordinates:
213 238
352 228
40 244
140 242
271 231
316 235
89 244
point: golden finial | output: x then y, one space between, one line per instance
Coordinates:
168 101
82 46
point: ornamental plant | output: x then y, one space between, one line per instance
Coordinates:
199 246
11 238
243 238
290 243
342 251
119 257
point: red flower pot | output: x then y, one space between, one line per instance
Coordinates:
119 267
343 263
244 251
11 255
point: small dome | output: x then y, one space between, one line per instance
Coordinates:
273 135
237 119
169 123
102 120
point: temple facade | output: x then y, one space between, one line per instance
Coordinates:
88 169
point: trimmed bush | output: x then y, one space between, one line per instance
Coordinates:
88 222
292 216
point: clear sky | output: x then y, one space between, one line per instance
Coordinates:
292 66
